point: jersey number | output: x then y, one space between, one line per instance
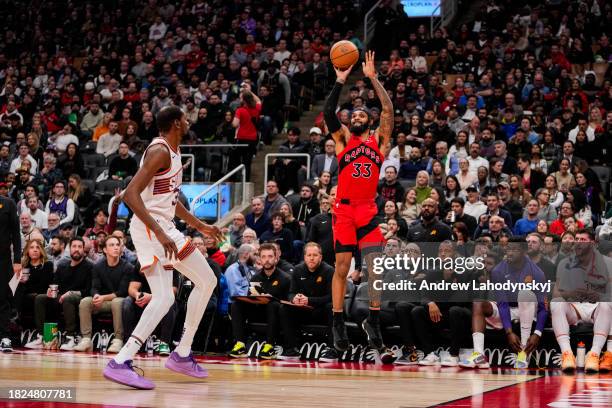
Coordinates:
362 170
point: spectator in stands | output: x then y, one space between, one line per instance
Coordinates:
529 222
239 273
391 189
109 142
91 120
246 121
320 228
110 280
457 214
123 165
535 251
38 216
274 200
566 211
102 127
493 226
428 228
138 297
411 167
71 162
285 168
269 281
257 219
60 204
326 161
547 212
236 229
280 235
309 297
36 276
24 155
74 279
308 205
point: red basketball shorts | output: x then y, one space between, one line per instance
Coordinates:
355 226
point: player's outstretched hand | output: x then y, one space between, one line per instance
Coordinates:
170 249
369 70
341 76
212 231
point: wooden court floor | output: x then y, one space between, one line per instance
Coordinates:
250 383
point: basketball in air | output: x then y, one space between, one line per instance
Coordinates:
343 54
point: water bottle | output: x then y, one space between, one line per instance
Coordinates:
103 342
580 355
150 346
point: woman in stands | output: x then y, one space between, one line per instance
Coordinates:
517 190
245 121
102 128
391 212
323 184
438 175
461 147
82 197
537 162
36 150
590 192
452 189
585 149
555 198
496 175
546 212
565 179
582 209
36 276
72 162
550 150
409 209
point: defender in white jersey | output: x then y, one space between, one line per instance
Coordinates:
153 197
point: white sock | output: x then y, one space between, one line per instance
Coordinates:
563 314
527 311
478 339
160 282
195 268
601 326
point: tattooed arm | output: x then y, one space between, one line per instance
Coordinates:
386 116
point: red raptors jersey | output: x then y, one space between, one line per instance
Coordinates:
359 169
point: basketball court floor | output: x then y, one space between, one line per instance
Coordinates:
251 383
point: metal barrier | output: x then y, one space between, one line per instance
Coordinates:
369 24
192 164
217 184
205 155
285 155
448 10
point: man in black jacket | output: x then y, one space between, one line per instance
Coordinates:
269 281
470 222
307 207
310 297
9 235
73 277
320 229
429 228
391 189
110 280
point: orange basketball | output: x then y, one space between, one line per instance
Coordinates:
343 54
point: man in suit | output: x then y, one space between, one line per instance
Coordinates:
326 162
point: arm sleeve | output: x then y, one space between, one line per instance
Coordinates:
96 284
502 299
294 287
329 110
542 314
327 297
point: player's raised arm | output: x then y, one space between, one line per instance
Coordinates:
386 116
157 158
339 132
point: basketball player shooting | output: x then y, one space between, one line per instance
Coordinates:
361 153
153 197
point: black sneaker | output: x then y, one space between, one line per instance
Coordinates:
239 350
290 354
329 355
387 356
267 352
6 346
409 356
341 341
373 333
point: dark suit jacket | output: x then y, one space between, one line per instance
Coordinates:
318 164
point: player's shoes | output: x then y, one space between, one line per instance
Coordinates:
521 360
6 345
387 356
568 361
409 357
163 349
341 341
185 365
37 343
267 352
372 330
126 375
605 363
239 350
329 355
431 359
591 365
476 360
449 361
290 354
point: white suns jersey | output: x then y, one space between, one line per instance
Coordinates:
161 194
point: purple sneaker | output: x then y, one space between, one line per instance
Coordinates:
186 365
125 374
